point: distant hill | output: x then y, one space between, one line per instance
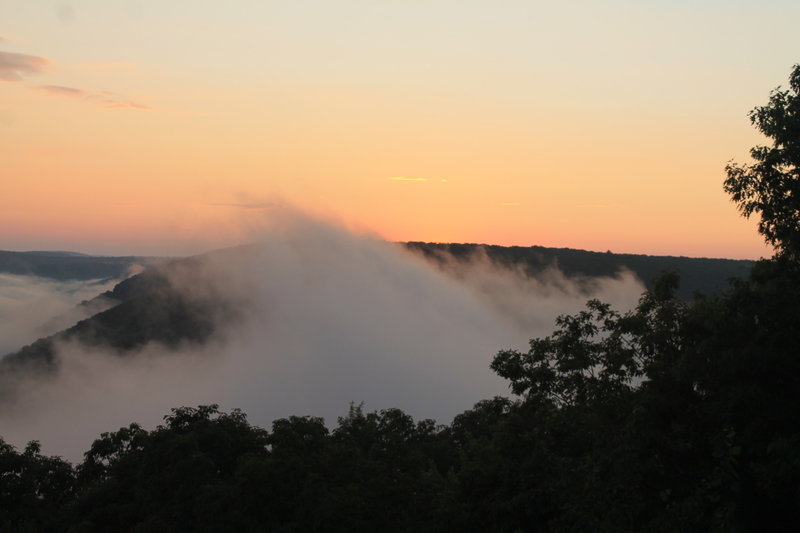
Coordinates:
56 253
138 310
146 307
64 266
697 274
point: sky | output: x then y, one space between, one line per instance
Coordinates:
170 128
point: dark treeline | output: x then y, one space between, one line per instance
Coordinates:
697 274
676 416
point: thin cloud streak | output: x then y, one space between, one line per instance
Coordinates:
62 91
103 98
14 66
401 178
262 205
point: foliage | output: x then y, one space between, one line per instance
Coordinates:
770 187
33 488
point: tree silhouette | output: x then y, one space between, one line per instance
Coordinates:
771 185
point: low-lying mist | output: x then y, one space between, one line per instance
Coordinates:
32 307
316 317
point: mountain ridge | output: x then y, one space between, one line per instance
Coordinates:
147 307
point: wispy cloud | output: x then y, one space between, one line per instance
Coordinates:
260 205
62 91
511 204
104 98
13 67
402 178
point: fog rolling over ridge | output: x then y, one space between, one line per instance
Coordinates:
310 319
33 307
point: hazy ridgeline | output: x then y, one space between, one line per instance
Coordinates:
311 319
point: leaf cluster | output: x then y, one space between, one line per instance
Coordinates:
770 186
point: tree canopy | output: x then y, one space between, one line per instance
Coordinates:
770 187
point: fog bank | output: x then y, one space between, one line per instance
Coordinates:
323 317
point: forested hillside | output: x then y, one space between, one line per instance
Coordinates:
146 308
697 274
140 309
